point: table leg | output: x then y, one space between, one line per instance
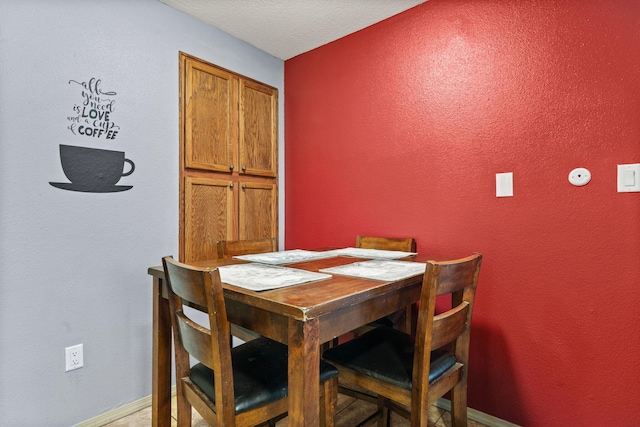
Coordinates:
304 374
161 359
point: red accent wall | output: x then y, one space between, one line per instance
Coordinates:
399 130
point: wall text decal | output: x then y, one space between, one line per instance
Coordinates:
93 115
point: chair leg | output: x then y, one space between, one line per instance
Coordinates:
183 407
273 422
408 316
411 319
385 415
329 401
329 344
459 405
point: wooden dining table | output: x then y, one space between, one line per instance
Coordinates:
302 316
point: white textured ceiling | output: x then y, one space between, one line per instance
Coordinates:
286 28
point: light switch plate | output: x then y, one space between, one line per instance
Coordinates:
629 178
504 184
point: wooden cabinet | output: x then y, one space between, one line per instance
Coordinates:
210 116
257 210
258 141
228 158
208 216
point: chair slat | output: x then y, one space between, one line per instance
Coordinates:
386 243
455 277
188 284
448 325
231 248
196 340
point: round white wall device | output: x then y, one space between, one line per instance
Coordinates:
579 177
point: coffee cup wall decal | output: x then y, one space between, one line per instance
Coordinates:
93 170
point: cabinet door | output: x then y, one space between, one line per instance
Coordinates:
258 211
258 129
209 216
210 117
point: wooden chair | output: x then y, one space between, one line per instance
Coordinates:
386 243
402 318
243 386
228 249
416 372
231 248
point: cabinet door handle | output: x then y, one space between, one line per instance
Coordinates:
244 186
231 167
244 168
231 185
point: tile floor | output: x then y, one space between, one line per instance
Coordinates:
349 412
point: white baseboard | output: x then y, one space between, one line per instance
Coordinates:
475 415
140 404
121 412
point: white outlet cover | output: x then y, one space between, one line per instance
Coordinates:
579 177
74 357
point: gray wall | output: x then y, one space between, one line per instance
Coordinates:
73 264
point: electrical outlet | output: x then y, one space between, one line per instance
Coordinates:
73 357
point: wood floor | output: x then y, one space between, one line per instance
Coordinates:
349 413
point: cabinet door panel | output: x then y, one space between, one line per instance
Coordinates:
209 216
210 117
258 208
258 129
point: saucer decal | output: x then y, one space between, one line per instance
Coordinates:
75 187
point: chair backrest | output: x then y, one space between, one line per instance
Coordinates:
457 278
386 243
210 346
231 248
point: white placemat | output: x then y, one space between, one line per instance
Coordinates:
262 277
371 253
286 257
385 270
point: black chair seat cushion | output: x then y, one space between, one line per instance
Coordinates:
259 374
387 355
